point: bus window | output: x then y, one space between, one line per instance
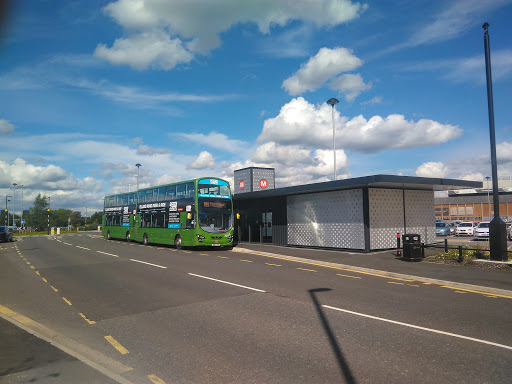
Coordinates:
149 196
181 190
170 192
125 199
131 198
190 190
141 196
161 193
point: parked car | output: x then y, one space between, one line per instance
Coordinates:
5 234
482 230
465 229
510 234
452 228
442 229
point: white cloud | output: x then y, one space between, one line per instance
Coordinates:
324 165
459 17
351 85
453 21
65 189
326 64
504 151
301 123
394 132
432 169
6 127
204 160
58 72
148 49
373 100
275 154
176 30
472 176
216 140
469 69
149 151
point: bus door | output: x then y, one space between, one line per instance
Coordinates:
266 227
134 219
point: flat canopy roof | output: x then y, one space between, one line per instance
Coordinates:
378 181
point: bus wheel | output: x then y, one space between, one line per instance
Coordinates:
127 236
177 242
108 235
145 239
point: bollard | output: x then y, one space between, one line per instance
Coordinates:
446 245
422 250
460 254
398 250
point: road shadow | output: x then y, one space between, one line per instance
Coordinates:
343 365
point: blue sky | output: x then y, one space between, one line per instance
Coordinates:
191 88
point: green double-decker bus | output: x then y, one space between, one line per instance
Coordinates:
191 213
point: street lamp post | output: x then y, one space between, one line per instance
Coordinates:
332 102
137 192
14 204
21 220
7 211
49 215
497 228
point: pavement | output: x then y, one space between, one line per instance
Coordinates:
486 278
25 357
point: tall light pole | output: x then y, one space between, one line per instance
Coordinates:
48 215
332 102
7 210
14 204
488 199
137 192
21 220
497 228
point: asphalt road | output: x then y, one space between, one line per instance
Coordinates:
159 315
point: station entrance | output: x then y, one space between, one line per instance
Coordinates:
261 221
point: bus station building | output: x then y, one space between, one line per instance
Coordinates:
361 214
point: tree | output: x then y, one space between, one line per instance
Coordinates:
76 219
60 217
38 214
96 218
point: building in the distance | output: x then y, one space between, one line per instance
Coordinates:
475 204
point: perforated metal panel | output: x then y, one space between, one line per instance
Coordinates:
263 178
386 217
328 219
420 215
387 209
242 181
254 179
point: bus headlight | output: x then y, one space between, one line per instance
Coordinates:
200 238
230 237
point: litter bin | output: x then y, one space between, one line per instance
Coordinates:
412 247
